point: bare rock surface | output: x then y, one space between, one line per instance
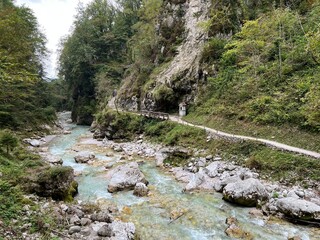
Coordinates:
247 192
140 190
53 160
122 231
299 209
200 181
125 177
182 175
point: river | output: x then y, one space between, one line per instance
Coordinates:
203 215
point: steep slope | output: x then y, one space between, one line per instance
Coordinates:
185 64
182 74
175 78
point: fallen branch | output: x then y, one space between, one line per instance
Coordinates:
172 220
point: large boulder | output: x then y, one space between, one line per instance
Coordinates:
160 157
182 175
84 157
299 209
125 177
247 192
34 142
56 182
196 180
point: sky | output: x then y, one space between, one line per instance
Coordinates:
55 18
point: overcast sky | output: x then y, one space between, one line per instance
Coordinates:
55 18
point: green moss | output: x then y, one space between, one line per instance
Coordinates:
56 182
163 93
73 190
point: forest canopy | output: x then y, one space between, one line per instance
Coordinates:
23 91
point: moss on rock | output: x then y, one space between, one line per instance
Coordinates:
57 183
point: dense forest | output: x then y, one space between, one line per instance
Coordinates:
25 97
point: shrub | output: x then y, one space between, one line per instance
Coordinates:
164 93
11 201
8 140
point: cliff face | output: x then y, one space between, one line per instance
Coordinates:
176 80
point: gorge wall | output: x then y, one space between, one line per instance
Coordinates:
176 79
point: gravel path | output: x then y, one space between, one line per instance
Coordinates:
240 137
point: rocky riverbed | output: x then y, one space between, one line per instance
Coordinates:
237 184
134 178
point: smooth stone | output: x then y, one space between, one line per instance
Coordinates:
85 221
75 220
105 231
84 157
102 217
74 229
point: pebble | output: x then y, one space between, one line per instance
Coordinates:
74 229
85 221
300 194
105 231
86 231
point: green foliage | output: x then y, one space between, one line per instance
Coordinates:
269 162
123 125
8 140
164 94
173 134
11 201
23 92
17 171
268 71
285 165
213 50
94 56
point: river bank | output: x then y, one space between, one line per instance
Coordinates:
44 214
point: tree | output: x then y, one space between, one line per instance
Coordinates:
22 51
8 140
93 58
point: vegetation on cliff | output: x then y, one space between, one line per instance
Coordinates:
268 72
